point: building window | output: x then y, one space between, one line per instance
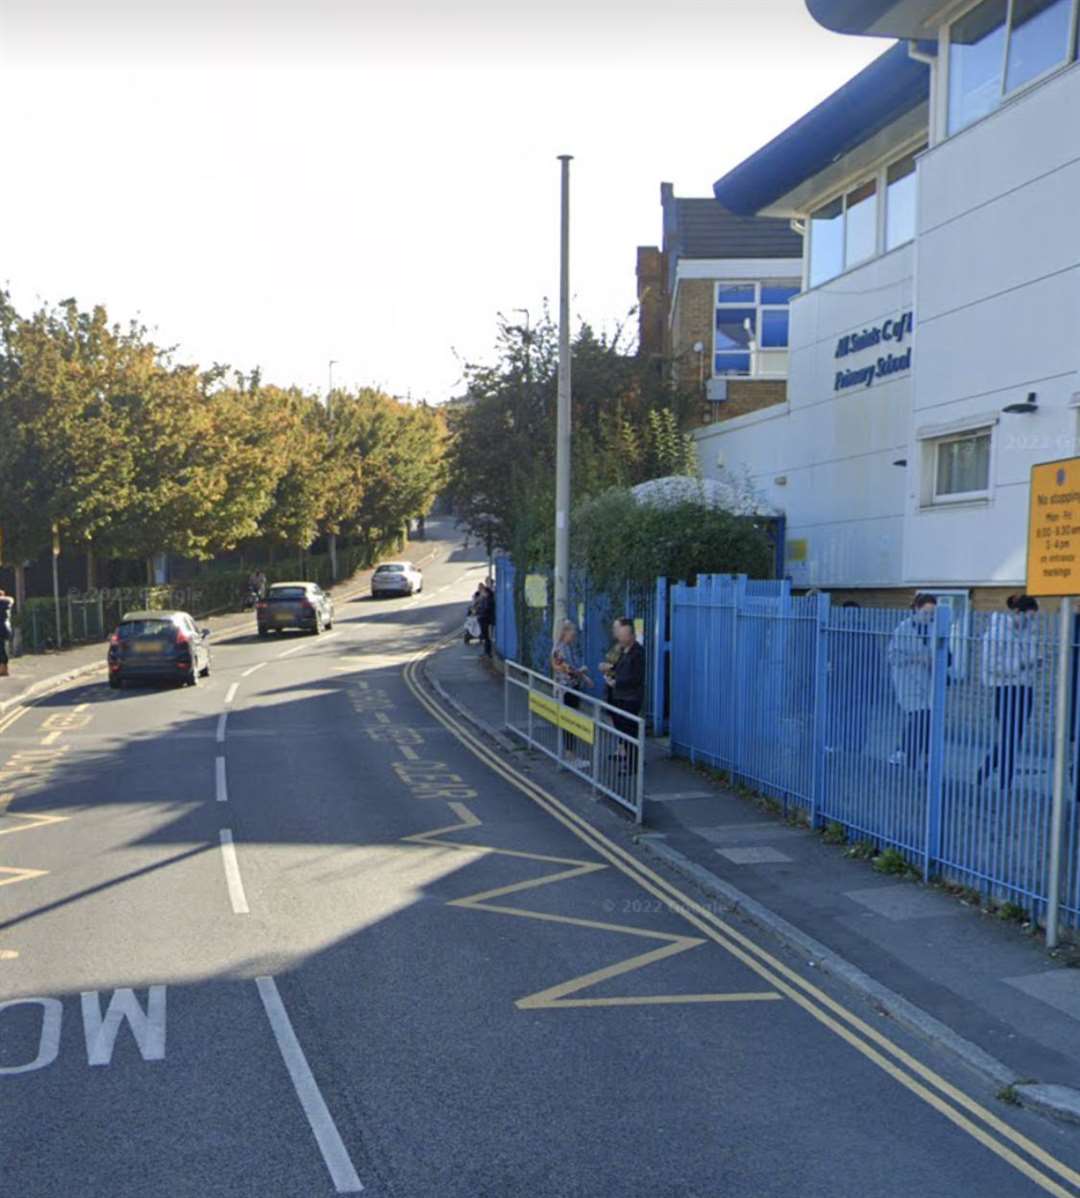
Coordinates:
860 232
998 47
827 242
961 467
900 200
748 312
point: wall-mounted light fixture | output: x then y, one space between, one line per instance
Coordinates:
1030 405
900 462
780 480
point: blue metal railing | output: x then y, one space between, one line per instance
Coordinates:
934 739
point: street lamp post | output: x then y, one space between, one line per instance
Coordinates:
562 435
332 538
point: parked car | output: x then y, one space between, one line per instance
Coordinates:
396 578
303 605
158 645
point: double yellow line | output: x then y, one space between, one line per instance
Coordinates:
1034 1162
7 720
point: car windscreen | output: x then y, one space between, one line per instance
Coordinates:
287 593
132 629
390 570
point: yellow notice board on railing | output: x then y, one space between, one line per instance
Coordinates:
562 716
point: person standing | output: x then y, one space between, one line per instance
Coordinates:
1010 658
911 664
624 672
485 616
6 630
569 671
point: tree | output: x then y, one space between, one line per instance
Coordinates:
628 425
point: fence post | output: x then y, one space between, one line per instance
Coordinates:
738 599
660 657
821 707
935 774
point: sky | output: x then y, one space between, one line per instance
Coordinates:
279 183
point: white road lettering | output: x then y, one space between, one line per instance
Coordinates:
221 788
232 874
148 1027
49 1041
331 1146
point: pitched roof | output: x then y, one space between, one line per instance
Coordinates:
703 228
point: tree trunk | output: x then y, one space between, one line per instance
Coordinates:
150 571
90 571
20 599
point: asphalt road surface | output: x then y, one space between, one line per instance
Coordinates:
296 932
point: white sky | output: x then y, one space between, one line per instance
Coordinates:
282 182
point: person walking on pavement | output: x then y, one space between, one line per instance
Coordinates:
911 664
6 630
624 672
569 671
485 615
1010 657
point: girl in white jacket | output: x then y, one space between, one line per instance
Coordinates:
911 665
1010 658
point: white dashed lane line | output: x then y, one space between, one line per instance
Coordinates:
258 666
307 644
231 693
232 874
221 789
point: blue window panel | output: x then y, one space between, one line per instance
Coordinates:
776 293
1039 39
731 364
730 330
976 54
736 293
774 329
827 242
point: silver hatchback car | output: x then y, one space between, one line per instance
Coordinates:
397 578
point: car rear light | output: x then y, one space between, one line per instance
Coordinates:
114 665
306 606
262 605
114 639
182 637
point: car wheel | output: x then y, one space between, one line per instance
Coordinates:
206 668
115 683
193 677
318 626
264 632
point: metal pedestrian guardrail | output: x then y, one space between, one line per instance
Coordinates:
600 743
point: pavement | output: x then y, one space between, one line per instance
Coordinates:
937 964
302 931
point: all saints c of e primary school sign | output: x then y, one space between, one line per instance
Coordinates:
1053 550
892 332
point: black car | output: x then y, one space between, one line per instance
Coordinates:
303 605
158 645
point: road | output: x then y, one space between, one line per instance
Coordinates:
295 932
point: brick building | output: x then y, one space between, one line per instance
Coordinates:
713 302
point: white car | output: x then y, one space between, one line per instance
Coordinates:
396 578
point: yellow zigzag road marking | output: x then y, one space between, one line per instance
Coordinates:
560 995
21 875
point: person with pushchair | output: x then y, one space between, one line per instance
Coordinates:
7 632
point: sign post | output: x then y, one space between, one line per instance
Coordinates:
1053 570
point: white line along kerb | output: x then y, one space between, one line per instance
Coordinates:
221 788
232 874
333 1149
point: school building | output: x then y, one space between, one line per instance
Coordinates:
934 344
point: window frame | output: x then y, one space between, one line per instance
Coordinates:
879 175
760 307
932 446
1004 96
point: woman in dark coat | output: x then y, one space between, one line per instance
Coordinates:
6 630
624 672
